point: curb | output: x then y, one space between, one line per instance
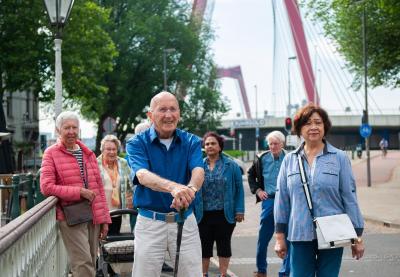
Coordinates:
384 223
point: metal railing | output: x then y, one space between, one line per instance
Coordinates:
18 193
31 244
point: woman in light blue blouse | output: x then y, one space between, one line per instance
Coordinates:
219 204
333 191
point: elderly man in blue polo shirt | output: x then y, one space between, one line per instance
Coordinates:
167 163
262 178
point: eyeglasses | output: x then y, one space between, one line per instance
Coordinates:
164 110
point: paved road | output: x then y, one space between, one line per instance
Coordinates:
381 168
382 257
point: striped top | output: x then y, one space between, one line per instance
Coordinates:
78 154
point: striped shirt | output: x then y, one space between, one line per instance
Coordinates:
332 188
78 154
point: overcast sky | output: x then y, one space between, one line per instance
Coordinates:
244 36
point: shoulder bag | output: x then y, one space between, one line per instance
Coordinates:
332 231
79 212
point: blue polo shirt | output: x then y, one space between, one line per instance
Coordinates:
270 167
145 151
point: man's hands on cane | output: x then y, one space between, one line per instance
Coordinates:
183 196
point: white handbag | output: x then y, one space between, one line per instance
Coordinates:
333 231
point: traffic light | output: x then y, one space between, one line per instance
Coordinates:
288 124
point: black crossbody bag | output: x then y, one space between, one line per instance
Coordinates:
79 212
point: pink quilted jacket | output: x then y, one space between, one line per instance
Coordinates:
60 177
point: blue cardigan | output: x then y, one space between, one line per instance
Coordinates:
233 192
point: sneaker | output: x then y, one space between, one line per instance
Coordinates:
259 274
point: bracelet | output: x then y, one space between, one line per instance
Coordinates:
192 187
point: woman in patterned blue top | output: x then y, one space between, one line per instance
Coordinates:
219 204
332 189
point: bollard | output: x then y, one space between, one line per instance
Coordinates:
15 208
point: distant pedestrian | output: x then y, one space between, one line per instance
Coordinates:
383 144
262 178
219 204
332 189
167 165
70 172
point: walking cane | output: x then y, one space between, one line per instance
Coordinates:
180 222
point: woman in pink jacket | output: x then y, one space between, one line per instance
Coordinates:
70 172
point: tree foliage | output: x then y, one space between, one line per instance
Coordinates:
112 58
27 55
342 21
141 31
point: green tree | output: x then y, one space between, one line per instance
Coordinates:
202 111
27 55
87 54
21 48
141 30
342 21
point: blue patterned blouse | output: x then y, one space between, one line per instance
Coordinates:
213 187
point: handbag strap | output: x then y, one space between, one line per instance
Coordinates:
304 181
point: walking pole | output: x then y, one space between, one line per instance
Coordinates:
180 222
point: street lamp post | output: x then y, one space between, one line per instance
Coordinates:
289 108
165 52
365 61
257 129
58 11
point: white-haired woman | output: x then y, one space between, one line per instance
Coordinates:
262 178
70 172
115 173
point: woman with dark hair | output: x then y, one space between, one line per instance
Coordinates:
333 191
219 204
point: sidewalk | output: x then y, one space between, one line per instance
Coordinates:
380 202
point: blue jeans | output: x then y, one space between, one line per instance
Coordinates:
307 261
264 236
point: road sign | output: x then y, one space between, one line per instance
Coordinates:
109 125
365 130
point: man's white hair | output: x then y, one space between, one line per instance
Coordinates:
142 127
67 115
276 135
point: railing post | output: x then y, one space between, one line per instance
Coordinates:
39 197
29 187
15 208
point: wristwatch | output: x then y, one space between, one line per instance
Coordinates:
359 240
192 187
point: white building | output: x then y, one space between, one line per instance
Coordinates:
22 117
